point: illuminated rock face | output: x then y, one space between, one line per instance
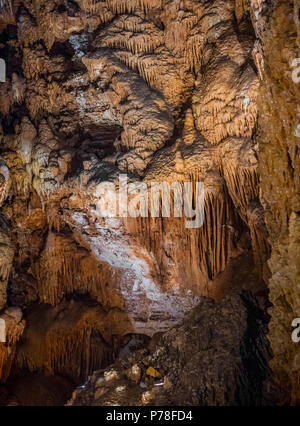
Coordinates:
163 91
279 40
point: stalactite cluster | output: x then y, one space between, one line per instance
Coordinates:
14 327
278 36
65 340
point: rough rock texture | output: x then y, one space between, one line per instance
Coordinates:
71 339
36 390
278 32
14 327
217 356
162 91
84 101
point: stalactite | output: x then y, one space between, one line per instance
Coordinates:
243 184
67 339
141 135
6 258
130 6
91 5
65 268
98 8
176 80
123 6
224 117
189 133
136 43
147 5
259 237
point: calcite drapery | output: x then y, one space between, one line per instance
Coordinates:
162 91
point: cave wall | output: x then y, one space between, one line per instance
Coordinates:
278 30
163 91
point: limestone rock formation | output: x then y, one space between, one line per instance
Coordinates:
278 33
14 327
223 343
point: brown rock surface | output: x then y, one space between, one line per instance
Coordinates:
130 96
163 91
217 356
280 185
14 327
